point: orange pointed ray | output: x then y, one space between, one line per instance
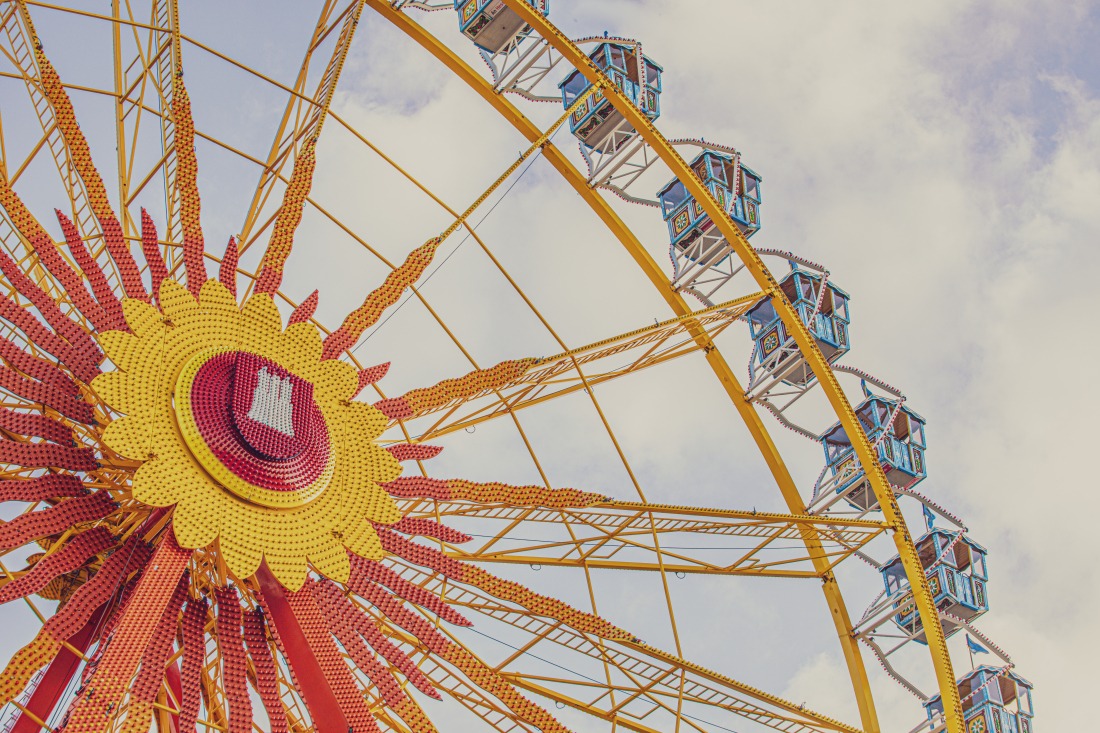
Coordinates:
423 487
380 299
459 389
227 271
290 215
81 158
140 619
150 246
371 375
187 169
414 451
305 309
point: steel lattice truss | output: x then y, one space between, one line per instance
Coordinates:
223 515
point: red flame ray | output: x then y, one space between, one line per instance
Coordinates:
74 554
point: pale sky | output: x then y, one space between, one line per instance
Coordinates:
940 158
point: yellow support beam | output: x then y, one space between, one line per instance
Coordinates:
304 117
937 644
551 377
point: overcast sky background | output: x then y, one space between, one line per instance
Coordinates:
939 158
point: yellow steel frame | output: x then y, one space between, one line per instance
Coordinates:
615 528
617 536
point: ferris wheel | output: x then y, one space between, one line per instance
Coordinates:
218 516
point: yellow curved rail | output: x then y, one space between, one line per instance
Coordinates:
914 571
657 276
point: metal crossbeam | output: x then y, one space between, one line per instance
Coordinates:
304 116
642 683
651 537
585 367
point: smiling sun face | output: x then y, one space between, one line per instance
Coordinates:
251 436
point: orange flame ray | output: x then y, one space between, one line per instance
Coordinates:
31 425
140 618
234 665
288 219
45 522
44 393
42 488
81 158
267 684
423 487
193 638
476 383
187 168
147 684
380 299
47 455
37 368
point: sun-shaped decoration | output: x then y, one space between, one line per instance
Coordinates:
233 416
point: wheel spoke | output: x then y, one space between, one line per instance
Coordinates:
484 395
625 536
